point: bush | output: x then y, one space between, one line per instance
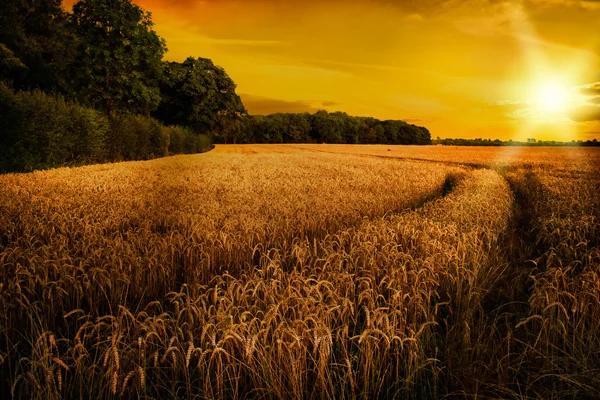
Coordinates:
136 137
184 141
90 129
9 143
176 140
39 131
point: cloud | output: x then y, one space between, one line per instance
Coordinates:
418 121
502 103
585 113
594 100
240 42
258 105
512 108
415 17
591 90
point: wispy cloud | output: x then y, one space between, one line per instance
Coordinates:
240 42
591 89
586 113
589 111
259 105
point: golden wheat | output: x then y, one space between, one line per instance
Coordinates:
297 272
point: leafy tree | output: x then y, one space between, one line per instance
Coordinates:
10 65
298 128
119 56
337 127
36 44
325 128
201 96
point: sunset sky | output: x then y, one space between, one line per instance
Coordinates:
468 68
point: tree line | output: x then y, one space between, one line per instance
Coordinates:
105 57
531 142
322 127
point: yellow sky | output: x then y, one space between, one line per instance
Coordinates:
468 68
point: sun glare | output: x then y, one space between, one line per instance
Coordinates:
551 98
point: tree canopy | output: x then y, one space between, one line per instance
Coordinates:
325 127
36 44
198 94
119 59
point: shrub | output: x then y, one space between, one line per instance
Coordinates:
184 141
90 128
176 138
137 137
9 144
39 131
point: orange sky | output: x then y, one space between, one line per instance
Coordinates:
462 68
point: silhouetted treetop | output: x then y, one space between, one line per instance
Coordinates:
198 94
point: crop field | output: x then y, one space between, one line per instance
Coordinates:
305 271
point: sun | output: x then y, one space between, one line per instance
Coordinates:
551 98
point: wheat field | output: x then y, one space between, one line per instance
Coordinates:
304 271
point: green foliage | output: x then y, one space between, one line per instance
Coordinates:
39 131
183 141
176 137
324 127
199 95
42 131
35 37
10 65
135 137
9 117
89 127
119 56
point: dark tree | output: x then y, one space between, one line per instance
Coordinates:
324 127
11 67
36 45
119 56
298 130
201 96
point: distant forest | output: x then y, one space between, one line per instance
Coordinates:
497 142
323 127
90 85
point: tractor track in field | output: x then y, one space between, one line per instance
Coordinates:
502 169
507 303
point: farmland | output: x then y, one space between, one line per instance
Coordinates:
305 271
